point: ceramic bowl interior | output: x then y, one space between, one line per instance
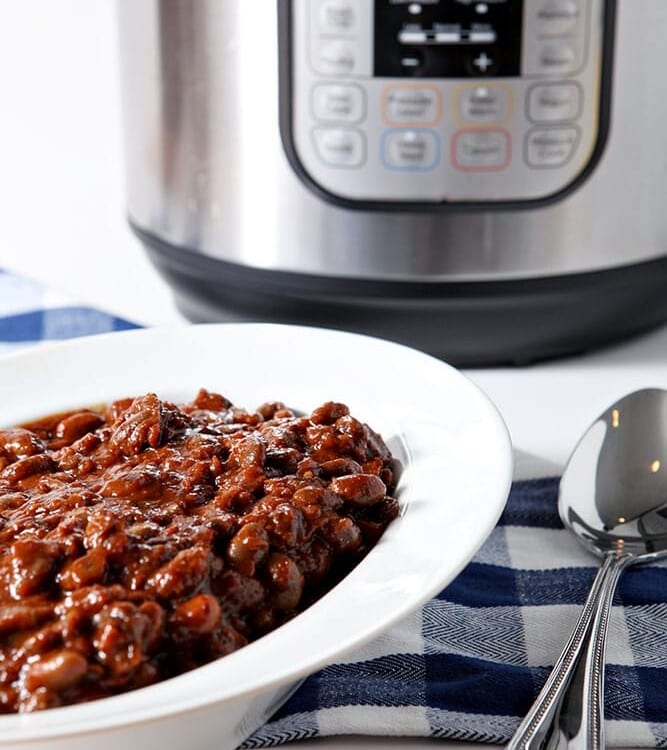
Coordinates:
456 470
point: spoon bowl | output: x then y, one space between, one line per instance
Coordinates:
613 497
613 492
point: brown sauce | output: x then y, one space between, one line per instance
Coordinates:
144 539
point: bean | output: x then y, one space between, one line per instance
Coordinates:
269 409
210 401
338 467
200 614
57 670
284 460
321 496
87 443
328 413
238 593
315 561
248 547
248 452
285 525
181 575
85 570
32 562
377 444
104 530
137 483
307 468
343 534
286 581
119 629
23 616
44 639
359 489
73 427
226 639
27 467
17 442
155 618
116 409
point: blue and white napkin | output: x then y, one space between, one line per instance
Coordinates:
467 665
30 314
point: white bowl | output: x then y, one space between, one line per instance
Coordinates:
457 470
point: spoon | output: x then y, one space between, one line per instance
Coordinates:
613 496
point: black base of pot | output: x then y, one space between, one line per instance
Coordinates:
464 323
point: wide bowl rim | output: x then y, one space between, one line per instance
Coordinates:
132 708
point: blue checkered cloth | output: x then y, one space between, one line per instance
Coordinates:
469 663
30 314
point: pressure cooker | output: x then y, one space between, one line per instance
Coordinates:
482 179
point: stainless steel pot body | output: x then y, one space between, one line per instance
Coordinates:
207 170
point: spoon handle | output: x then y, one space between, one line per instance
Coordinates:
569 711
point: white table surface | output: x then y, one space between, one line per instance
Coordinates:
62 223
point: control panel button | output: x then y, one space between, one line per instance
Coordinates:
558 55
337 17
334 102
483 104
416 150
556 17
481 150
411 62
410 36
411 104
551 147
554 102
335 57
484 63
340 147
555 37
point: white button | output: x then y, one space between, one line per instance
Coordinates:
482 37
483 62
337 16
484 104
339 147
551 147
447 37
411 149
554 102
481 150
558 16
558 56
338 102
335 57
412 104
407 36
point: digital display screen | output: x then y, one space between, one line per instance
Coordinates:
448 38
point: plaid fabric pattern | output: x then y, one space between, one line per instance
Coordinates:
30 314
467 665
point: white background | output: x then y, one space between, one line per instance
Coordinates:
62 220
62 214
61 171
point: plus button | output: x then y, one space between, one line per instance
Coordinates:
483 62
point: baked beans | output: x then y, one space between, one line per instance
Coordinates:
143 539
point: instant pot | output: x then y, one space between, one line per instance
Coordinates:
485 180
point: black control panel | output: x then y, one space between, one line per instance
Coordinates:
447 38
